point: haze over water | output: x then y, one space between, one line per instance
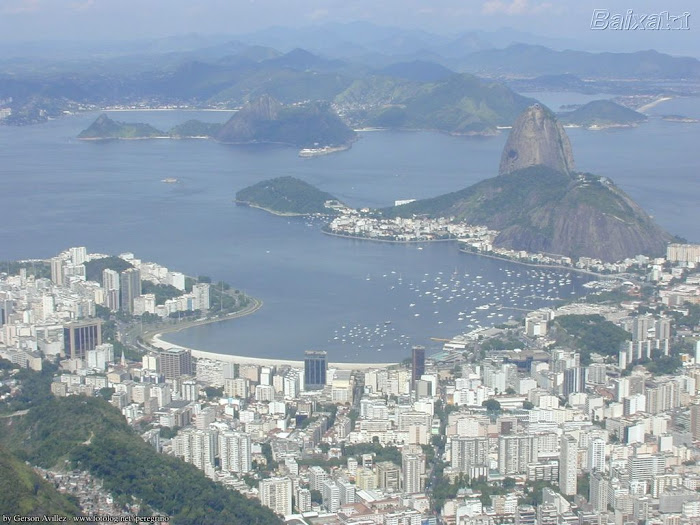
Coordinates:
60 192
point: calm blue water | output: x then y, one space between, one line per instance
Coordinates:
59 192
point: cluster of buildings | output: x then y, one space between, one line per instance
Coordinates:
361 224
56 316
555 435
472 238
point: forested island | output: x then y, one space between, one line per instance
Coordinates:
288 196
600 114
265 120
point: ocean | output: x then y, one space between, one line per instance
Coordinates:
360 301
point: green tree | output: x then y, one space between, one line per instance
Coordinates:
492 405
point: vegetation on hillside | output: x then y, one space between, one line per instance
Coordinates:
589 334
286 195
38 269
95 267
308 125
94 436
194 128
106 128
23 492
602 113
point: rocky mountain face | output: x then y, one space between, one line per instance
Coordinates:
537 139
539 204
265 120
244 125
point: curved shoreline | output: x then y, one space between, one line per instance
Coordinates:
154 340
541 265
355 237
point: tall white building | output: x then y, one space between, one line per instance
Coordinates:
200 292
331 495
596 455
57 271
411 470
276 494
78 255
515 453
568 456
234 451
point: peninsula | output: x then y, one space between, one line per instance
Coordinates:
601 114
104 128
539 203
288 196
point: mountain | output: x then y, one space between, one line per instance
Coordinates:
533 60
417 71
89 434
24 492
265 120
105 128
194 128
461 104
602 113
537 138
286 196
539 204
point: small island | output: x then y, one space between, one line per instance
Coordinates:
680 118
313 127
288 196
602 114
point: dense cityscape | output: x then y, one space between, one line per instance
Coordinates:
581 413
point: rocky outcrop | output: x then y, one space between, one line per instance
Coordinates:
539 204
537 139
310 125
244 126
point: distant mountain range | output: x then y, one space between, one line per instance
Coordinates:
403 79
529 60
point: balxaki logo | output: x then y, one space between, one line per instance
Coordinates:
631 21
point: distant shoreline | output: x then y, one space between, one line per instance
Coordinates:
358 238
268 210
166 109
653 103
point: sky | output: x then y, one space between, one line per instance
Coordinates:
32 20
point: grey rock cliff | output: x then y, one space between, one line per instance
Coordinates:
537 138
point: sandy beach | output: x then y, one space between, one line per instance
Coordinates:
154 340
647 107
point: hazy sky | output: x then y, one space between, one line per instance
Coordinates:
22 20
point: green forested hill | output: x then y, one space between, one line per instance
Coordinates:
22 491
538 209
266 120
94 436
106 128
602 113
286 195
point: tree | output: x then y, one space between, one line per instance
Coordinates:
527 405
492 405
213 392
316 496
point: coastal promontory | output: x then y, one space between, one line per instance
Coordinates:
104 128
600 114
287 196
538 203
265 120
